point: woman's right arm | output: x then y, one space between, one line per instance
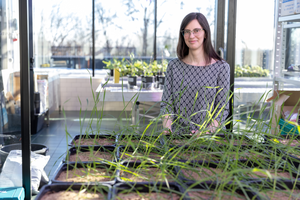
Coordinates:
166 105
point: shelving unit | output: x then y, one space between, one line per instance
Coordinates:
283 24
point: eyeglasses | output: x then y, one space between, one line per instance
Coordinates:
187 33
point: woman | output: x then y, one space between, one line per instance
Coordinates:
195 96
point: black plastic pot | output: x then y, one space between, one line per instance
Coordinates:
82 137
95 166
36 148
148 82
74 150
192 186
161 82
132 82
146 187
111 72
141 150
104 189
136 166
134 138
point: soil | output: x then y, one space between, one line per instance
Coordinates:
87 156
282 195
291 143
197 155
140 156
74 195
226 142
279 174
98 141
148 196
201 173
136 142
142 175
86 175
213 195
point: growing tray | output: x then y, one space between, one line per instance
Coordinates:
194 190
104 189
141 153
91 167
97 151
140 188
139 170
94 140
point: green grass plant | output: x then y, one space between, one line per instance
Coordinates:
239 161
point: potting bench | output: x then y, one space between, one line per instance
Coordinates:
119 92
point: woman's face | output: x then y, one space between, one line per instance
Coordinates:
194 39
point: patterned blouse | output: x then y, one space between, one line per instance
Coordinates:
191 93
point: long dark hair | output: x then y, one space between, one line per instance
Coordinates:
183 49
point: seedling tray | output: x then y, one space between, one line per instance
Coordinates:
104 189
147 188
93 168
92 157
94 140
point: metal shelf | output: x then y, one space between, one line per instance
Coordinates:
291 25
290 81
290 18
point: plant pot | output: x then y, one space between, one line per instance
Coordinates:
84 155
71 191
159 190
93 140
148 82
86 173
161 82
132 82
111 72
214 191
280 190
136 172
137 140
141 154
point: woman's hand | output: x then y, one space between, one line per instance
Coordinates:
211 128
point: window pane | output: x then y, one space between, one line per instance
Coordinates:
253 58
124 29
62 34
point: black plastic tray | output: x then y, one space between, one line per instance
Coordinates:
65 166
74 150
130 165
76 137
63 187
148 187
211 186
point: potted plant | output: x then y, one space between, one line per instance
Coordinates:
148 79
109 66
132 77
